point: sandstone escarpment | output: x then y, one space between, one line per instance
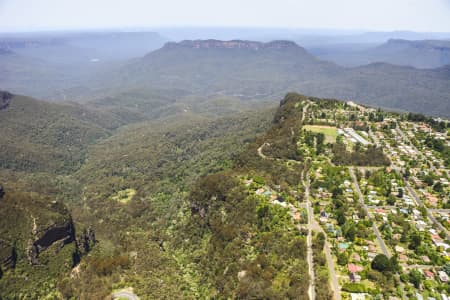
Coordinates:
39 230
56 233
233 44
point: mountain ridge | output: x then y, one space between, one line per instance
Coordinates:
233 44
236 68
420 54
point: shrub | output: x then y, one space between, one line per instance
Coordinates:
354 287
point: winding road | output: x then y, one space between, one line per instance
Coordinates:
125 295
260 153
260 149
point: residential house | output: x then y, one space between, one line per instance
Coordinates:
443 276
428 274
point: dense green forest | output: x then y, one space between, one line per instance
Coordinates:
159 161
177 207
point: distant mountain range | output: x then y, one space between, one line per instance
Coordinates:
238 69
82 46
424 54
249 70
59 66
419 54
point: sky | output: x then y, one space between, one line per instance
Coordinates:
375 15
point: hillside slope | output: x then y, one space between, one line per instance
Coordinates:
42 136
237 68
249 70
423 54
38 241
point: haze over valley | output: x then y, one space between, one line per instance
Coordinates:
226 151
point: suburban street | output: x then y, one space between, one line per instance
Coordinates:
314 226
309 255
429 212
380 239
374 227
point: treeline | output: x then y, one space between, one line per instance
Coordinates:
439 146
372 156
435 124
321 287
245 247
282 137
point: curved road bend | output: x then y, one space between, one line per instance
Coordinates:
125 294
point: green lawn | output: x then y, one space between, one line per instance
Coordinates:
329 132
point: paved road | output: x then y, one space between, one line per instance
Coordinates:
411 190
309 257
429 213
374 227
380 240
419 153
313 225
125 294
439 210
331 268
309 254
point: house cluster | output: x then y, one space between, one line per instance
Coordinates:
407 150
430 199
276 199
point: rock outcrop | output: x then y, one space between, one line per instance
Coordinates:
56 233
42 229
8 256
86 240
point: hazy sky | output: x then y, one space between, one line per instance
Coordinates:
417 15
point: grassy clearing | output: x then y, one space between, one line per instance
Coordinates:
329 132
124 196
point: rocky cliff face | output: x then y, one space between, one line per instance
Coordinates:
39 226
61 234
8 256
234 44
86 240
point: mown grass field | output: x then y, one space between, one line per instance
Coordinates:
329 132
